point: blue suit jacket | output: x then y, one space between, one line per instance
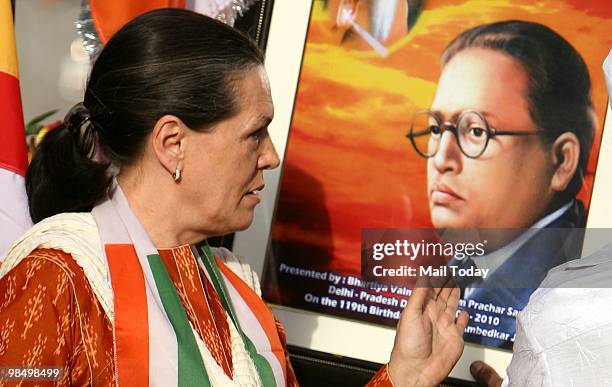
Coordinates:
511 285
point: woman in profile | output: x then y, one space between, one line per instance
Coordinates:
116 284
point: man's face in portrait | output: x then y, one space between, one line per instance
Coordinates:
509 184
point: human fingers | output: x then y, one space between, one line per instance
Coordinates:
485 375
462 321
444 293
453 300
417 300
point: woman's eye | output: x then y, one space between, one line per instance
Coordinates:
435 130
258 136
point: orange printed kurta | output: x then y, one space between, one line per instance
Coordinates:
49 316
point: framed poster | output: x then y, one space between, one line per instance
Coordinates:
367 68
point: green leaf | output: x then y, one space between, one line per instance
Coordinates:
35 125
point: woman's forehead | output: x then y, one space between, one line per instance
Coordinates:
254 92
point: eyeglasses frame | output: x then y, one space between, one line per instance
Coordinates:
448 125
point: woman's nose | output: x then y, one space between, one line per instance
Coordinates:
269 158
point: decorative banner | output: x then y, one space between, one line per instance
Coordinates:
14 217
111 15
100 19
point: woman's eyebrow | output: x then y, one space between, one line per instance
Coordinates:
262 120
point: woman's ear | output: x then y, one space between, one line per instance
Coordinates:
168 142
565 154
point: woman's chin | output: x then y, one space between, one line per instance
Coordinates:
243 223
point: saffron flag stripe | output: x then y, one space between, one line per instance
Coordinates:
162 345
8 56
110 15
130 315
14 215
13 153
163 350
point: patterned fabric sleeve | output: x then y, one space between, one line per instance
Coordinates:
50 317
381 379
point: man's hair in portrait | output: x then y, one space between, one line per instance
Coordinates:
559 86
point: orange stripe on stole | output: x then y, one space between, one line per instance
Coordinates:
260 310
131 317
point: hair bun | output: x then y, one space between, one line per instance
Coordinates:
76 117
79 123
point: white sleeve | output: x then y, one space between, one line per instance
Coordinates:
564 338
527 367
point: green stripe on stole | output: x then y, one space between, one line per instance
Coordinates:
264 369
191 370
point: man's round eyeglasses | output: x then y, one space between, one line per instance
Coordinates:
472 132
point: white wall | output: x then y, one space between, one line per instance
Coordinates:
44 30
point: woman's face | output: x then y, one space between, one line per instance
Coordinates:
508 186
223 168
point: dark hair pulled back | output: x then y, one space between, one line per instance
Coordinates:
559 86
167 61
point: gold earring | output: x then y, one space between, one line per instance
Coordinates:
177 174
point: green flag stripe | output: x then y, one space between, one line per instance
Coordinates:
218 284
264 369
191 370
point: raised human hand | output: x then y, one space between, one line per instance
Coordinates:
429 338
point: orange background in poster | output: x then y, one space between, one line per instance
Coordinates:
348 164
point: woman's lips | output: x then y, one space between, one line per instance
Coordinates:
254 194
444 195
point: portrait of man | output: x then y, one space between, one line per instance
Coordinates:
503 106
507 139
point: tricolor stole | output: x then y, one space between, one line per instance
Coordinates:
154 344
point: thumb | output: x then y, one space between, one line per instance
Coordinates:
485 375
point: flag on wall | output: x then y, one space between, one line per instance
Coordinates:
14 216
110 15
